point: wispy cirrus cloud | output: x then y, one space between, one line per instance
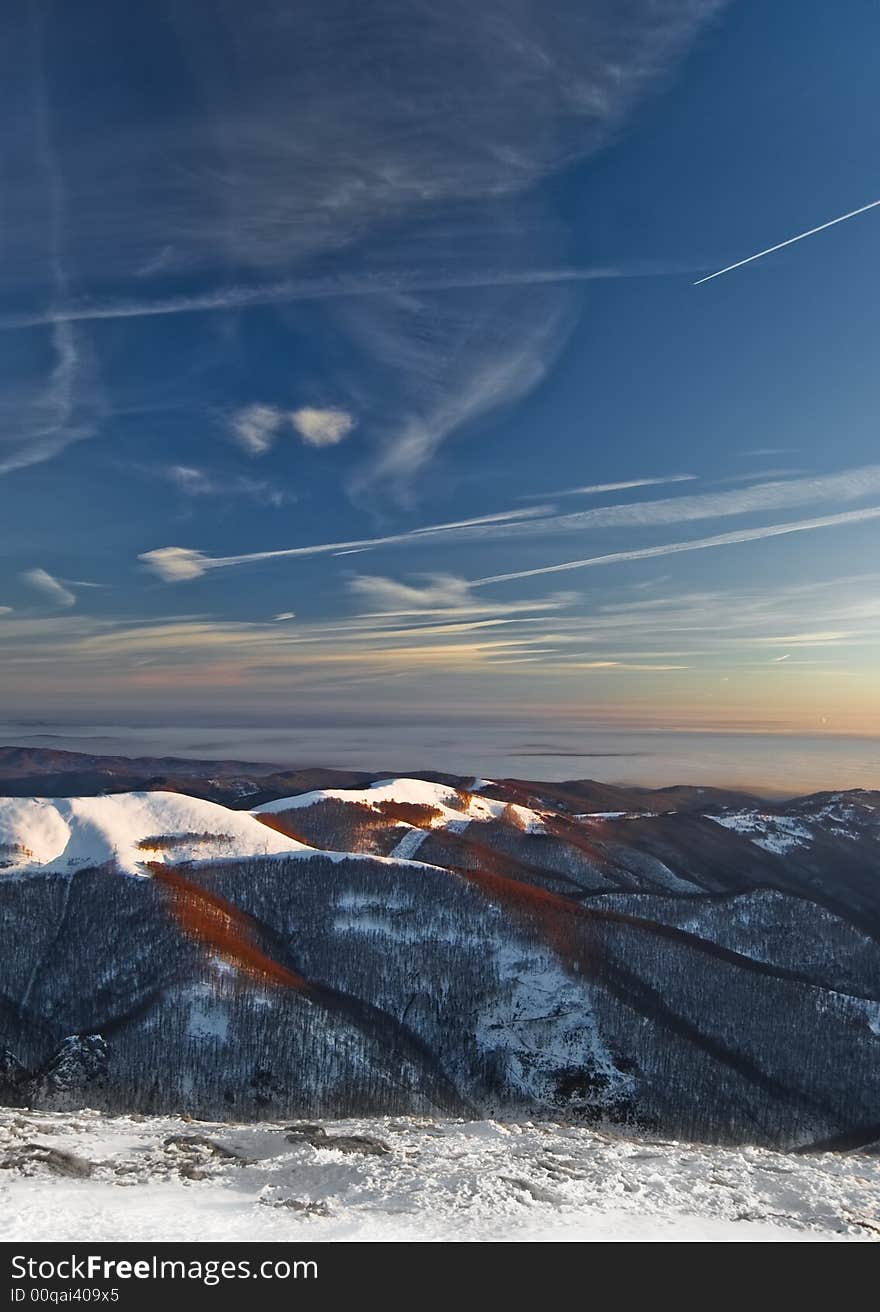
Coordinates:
44 413
811 638
176 564
452 631
442 278
597 489
194 481
759 475
698 544
403 282
293 148
42 581
697 625
846 485
449 370
419 630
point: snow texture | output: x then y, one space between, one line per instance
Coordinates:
161 1178
409 844
453 806
774 833
62 835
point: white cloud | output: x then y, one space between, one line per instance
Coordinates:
322 427
193 481
286 615
197 482
445 597
256 427
174 564
595 489
623 666
440 591
44 582
817 638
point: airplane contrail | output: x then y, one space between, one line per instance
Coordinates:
342 287
801 235
692 544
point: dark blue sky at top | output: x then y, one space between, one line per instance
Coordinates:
423 181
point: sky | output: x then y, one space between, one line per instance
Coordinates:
353 364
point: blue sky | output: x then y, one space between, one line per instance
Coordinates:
285 286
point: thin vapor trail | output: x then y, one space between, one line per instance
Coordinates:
318 289
778 247
695 544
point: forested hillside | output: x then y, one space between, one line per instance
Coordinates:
435 948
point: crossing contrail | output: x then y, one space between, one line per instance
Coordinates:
770 249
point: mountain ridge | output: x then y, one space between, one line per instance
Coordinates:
709 969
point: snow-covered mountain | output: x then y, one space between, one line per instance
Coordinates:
128 829
701 964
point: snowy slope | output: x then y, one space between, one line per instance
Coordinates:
774 833
658 969
66 834
435 1180
455 807
838 815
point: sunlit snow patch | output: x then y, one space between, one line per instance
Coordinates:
774 833
63 835
454 808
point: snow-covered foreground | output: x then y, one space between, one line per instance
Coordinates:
85 1176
